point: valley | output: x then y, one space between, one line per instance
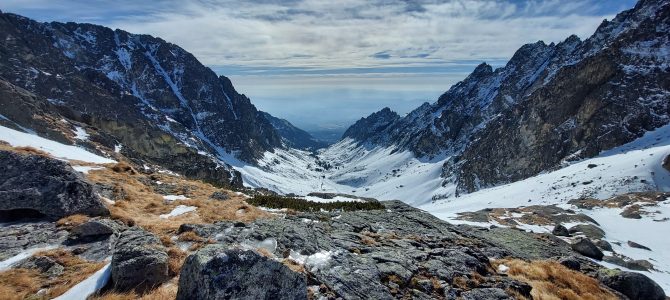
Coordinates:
130 170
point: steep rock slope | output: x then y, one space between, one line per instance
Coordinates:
148 95
294 137
549 104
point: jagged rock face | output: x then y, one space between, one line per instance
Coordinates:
550 103
294 137
144 93
215 272
34 185
366 128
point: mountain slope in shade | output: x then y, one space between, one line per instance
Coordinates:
294 137
150 96
549 104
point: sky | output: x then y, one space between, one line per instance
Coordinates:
324 64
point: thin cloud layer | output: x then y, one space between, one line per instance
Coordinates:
319 34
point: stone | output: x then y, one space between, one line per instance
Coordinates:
639 246
95 228
560 230
633 285
215 272
218 195
485 294
39 186
46 265
587 248
570 262
589 230
139 261
604 245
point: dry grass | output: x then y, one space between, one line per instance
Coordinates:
167 291
552 281
176 259
72 221
19 283
293 265
76 270
22 283
190 236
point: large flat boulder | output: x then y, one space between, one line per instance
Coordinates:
39 186
215 272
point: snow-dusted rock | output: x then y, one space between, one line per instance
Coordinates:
35 185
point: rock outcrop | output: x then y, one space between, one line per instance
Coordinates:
376 254
139 261
635 286
217 273
36 185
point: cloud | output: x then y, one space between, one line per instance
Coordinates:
339 34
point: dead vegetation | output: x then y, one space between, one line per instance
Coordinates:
553 281
167 291
72 221
25 283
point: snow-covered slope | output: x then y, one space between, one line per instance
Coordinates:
58 150
633 167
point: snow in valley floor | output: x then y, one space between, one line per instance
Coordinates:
389 175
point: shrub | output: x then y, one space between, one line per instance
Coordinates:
279 202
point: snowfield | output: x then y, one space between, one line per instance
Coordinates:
58 150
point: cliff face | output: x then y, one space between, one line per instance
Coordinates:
148 95
548 104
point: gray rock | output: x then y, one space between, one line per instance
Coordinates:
635 286
560 230
635 264
485 294
591 231
218 195
46 265
587 248
34 186
603 244
215 272
639 246
570 262
95 228
139 261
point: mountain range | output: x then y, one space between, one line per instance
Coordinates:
547 129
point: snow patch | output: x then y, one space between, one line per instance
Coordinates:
58 150
179 210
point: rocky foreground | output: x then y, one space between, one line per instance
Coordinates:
397 252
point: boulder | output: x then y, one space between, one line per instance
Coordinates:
95 228
603 244
587 248
219 195
635 286
485 294
589 230
139 261
46 265
215 272
570 262
639 246
39 186
560 230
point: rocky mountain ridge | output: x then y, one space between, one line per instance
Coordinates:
148 96
294 137
548 104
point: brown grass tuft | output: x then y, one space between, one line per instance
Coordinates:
72 221
123 167
551 280
166 291
176 259
190 236
19 283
